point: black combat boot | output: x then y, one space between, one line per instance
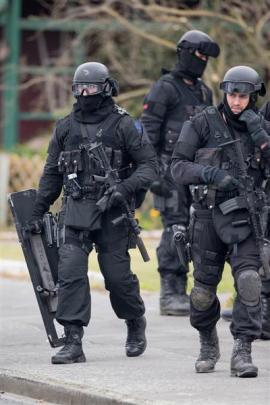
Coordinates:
265 317
136 339
241 361
181 291
72 351
169 300
209 352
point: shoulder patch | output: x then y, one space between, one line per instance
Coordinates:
120 110
138 125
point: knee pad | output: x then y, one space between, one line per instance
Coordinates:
202 297
249 287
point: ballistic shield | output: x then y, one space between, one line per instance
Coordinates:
41 256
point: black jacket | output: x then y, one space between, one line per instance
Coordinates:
168 105
196 134
265 110
135 147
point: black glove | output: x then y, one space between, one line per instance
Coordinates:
116 195
35 226
159 187
254 127
220 178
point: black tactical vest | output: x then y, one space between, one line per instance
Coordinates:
75 157
187 106
215 154
224 157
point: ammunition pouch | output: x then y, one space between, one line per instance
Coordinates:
232 220
115 157
82 214
70 161
233 227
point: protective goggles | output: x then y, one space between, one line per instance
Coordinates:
239 87
87 89
206 48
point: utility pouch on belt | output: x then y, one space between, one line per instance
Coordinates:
234 227
82 214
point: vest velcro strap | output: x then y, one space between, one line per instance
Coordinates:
233 204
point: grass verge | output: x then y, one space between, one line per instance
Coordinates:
146 272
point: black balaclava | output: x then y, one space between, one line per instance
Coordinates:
233 119
90 103
189 65
92 109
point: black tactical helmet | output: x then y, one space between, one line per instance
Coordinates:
95 77
242 79
199 40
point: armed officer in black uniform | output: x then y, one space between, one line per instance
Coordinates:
226 314
173 99
72 166
216 152
265 294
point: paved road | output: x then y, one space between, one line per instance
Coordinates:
163 375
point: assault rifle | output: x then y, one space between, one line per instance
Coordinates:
110 179
254 201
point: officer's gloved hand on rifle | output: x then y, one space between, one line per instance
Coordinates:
159 187
35 225
116 195
220 178
254 127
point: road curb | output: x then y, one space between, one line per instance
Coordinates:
62 394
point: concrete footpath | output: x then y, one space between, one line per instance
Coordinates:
163 375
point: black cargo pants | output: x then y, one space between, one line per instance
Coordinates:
209 255
111 243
